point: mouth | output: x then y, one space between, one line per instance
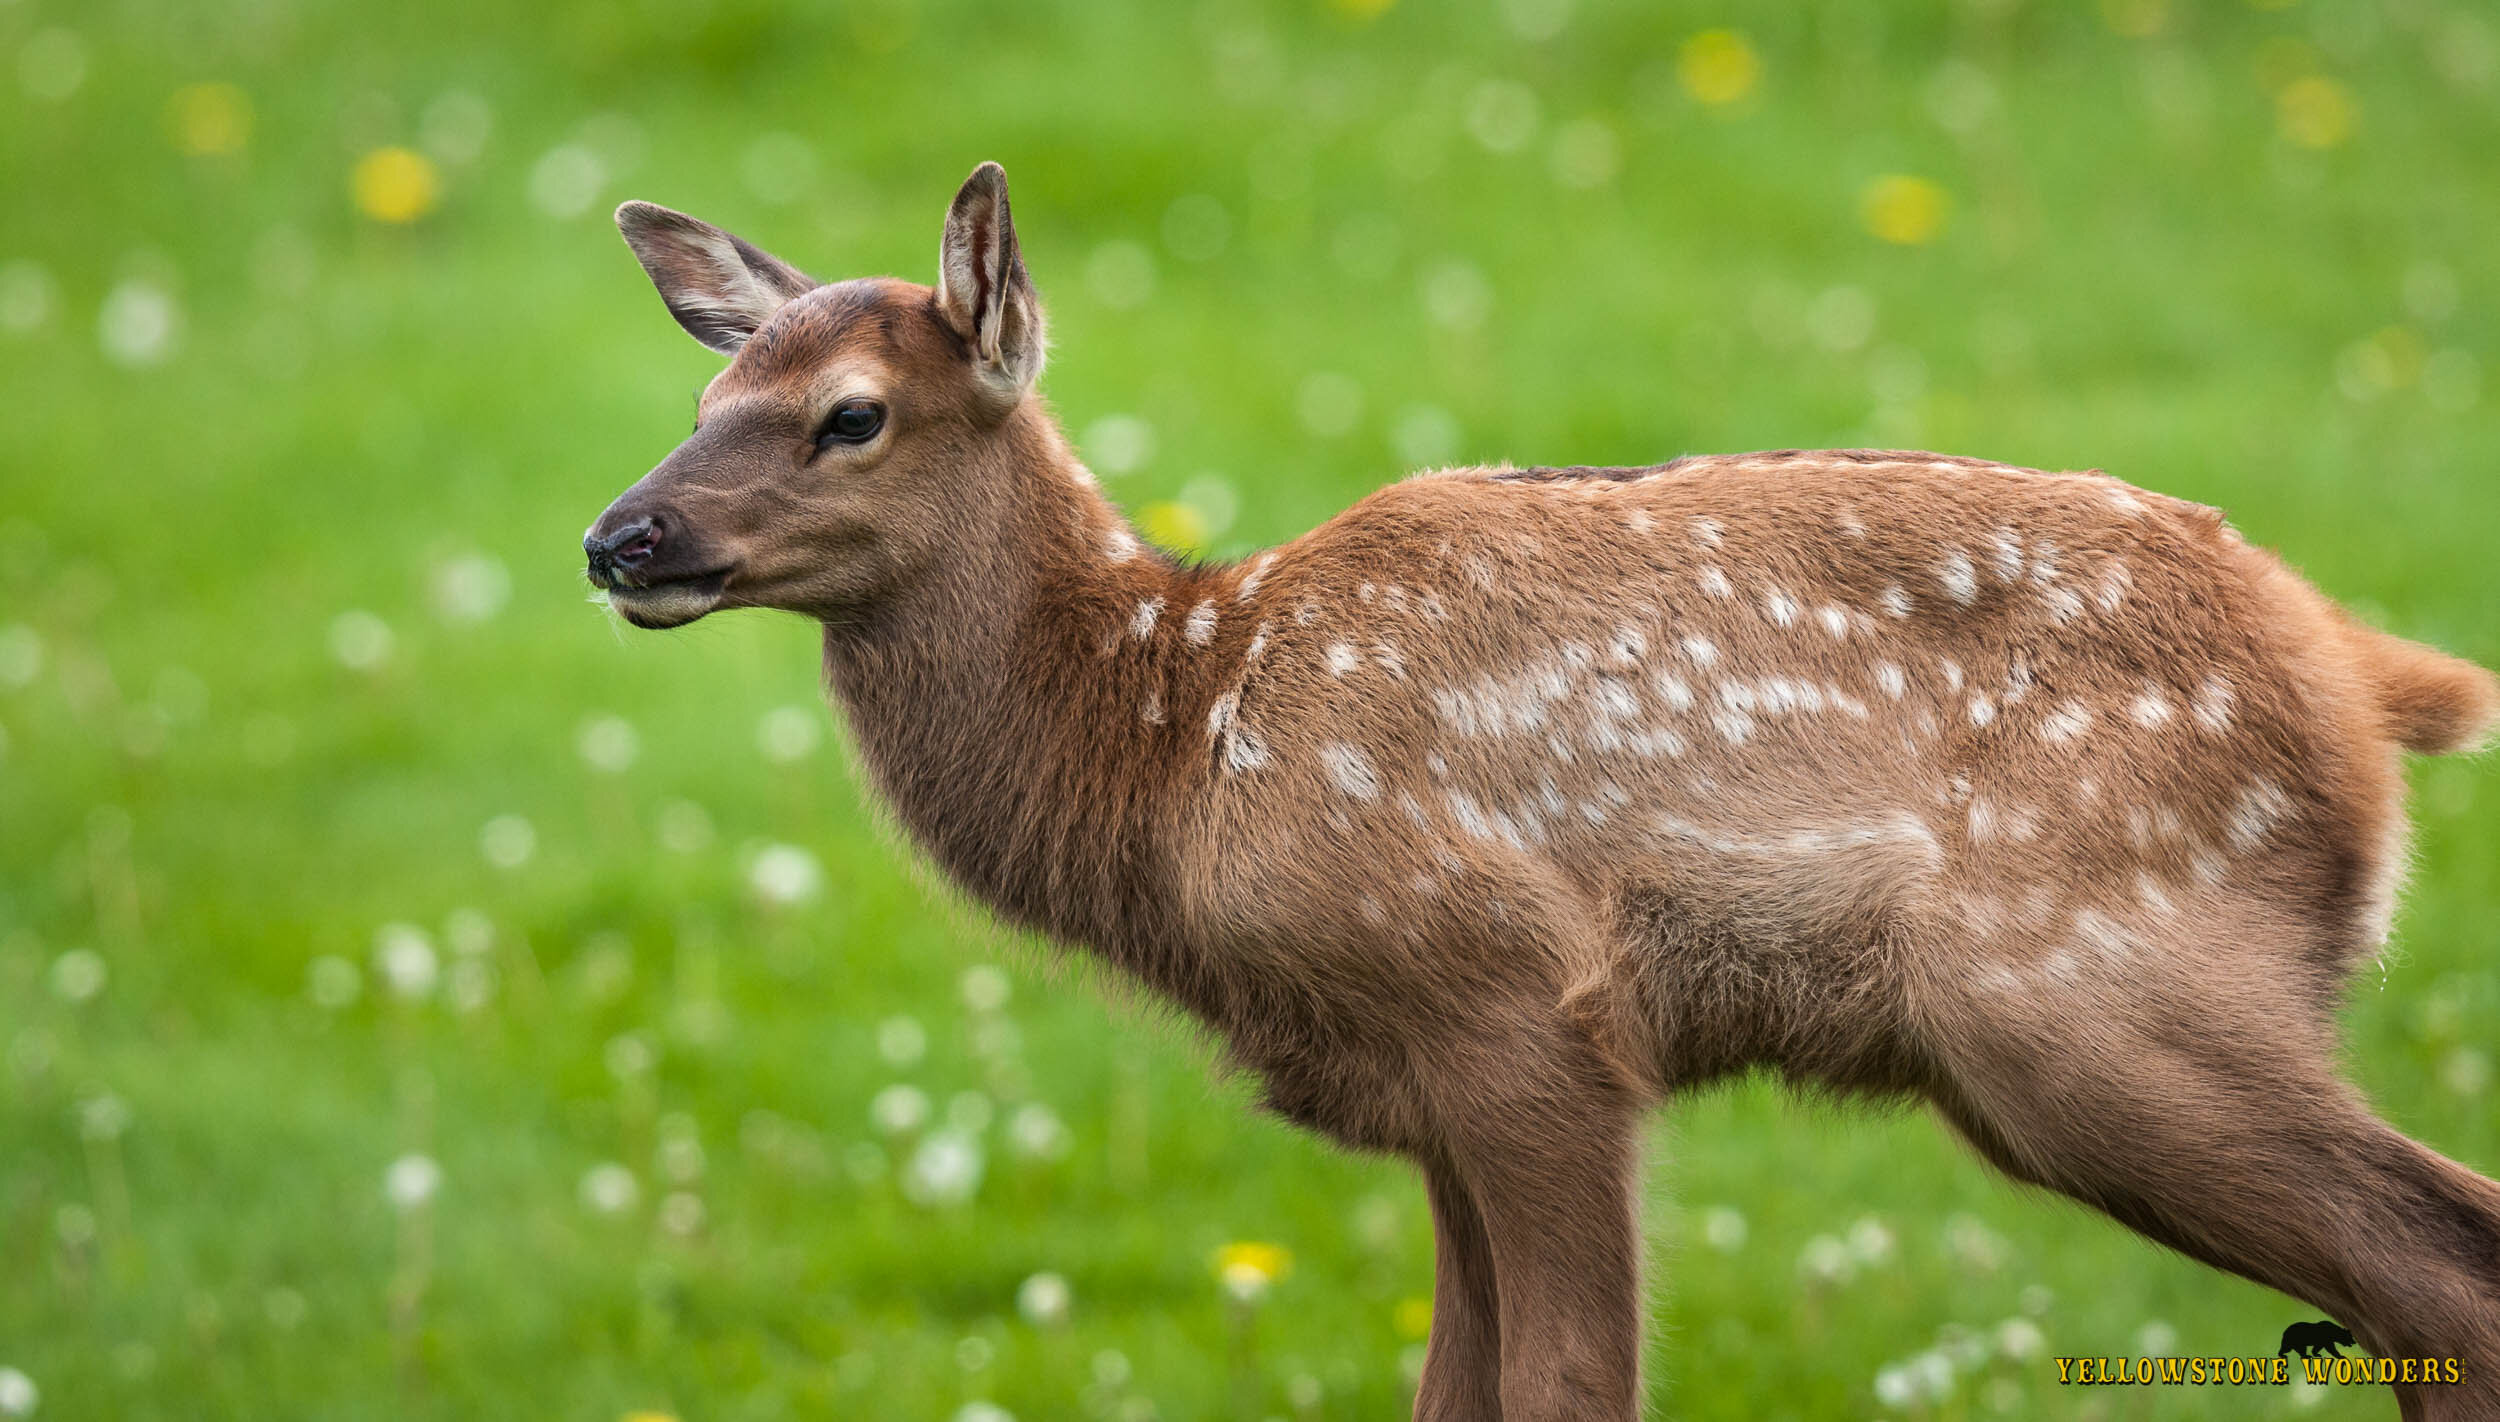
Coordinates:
673 602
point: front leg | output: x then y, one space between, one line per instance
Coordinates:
1552 1174
1462 1379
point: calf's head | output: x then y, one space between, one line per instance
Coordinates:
829 462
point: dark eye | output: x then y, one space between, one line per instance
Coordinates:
852 422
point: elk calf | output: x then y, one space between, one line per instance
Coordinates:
1510 801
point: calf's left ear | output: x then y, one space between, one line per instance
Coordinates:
720 287
983 291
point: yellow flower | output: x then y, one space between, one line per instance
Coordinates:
1412 1318
649 1417
1247 1267
1718 67
1899 208
396 185
1172 525
209 120
2315 112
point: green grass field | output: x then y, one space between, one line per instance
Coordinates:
420 996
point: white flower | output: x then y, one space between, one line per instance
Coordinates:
471 588
103 1117
984 988
404 957
786 874
1723 1229
1870 1241
1036 1133
79 974
1826 1260
18 1394
140 324
900 1109
1043 1300
360 640
608 744
901 1041
681 1213
507 841
2020 1339
609 1189
789 733
1118 444
945 1170
411 1181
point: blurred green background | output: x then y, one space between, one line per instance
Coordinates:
420 996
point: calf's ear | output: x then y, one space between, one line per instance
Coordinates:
720 287
983 291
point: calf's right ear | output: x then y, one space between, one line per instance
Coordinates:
720 287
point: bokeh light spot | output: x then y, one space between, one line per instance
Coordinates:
209 120
1718 67
395 185
1904 210
2315 112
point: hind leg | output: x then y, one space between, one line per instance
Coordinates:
2220 1132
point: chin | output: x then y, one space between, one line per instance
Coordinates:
666 605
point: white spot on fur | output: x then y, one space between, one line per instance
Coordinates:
1959 579
1258 643
2125 502
1896 600
1368 592
1629 645
1701 650
1152 711
1890 681
2044 562
1779 607
1200 628
1141 624
2148 892
1243 749
1983 820
1835 620
1982 710
1706 532
1386 657
2069 720
1639 521
2115 580
1714 582
1119 545
2261 806
1673 691
1951 671
1735 726
2213 705
1342 658
2007 555
2150 708
1250 584
1220 715
1351 769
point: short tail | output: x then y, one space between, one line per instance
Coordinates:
2434 703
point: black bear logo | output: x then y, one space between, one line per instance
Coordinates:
2311 1339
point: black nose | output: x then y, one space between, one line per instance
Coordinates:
626 549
